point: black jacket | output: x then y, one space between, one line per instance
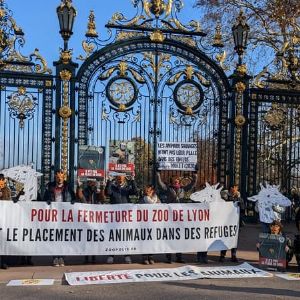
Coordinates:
120 194
67 193
175 196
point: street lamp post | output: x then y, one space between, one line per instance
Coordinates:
240 78
240 33
65 92
66 14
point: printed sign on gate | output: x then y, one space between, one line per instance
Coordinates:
177 156
91 161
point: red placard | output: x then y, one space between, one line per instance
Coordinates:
122 168
90 173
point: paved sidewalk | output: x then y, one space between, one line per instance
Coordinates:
42 268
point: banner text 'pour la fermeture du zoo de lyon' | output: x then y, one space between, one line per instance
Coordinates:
36 228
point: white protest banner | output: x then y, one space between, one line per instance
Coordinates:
146 275
244 270
35 228
24 178
26 282
177 156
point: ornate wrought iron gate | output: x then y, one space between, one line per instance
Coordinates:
26 102
273 139
154 80
152 84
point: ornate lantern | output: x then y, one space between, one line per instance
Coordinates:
66 14
240 33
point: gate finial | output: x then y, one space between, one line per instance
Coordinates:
91 28
11 37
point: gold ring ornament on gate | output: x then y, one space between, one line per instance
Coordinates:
240 120
240 87
122 92
242 70
188 96
275 118
65 112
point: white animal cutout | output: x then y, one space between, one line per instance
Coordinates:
210 193
28 177
267 199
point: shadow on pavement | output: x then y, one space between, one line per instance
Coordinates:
242 289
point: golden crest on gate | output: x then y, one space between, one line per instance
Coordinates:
158 7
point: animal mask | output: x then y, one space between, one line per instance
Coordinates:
211 193
2 184
269 197
60 177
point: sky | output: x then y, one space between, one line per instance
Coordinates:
39 22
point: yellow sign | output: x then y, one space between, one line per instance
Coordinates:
294 275
31 281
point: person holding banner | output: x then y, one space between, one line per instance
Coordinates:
91 194
119 191
59 191
149 197
175 194
5 195
276 228
234 196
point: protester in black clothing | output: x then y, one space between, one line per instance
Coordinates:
175 193
119 191
59 191
234 196
90 194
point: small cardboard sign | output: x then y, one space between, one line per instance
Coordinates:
91 161
289 276
30 282
272 251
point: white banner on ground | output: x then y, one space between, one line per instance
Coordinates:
25 282
289 276
183 273
177 156
81 229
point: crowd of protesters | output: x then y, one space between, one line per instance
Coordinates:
119 189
